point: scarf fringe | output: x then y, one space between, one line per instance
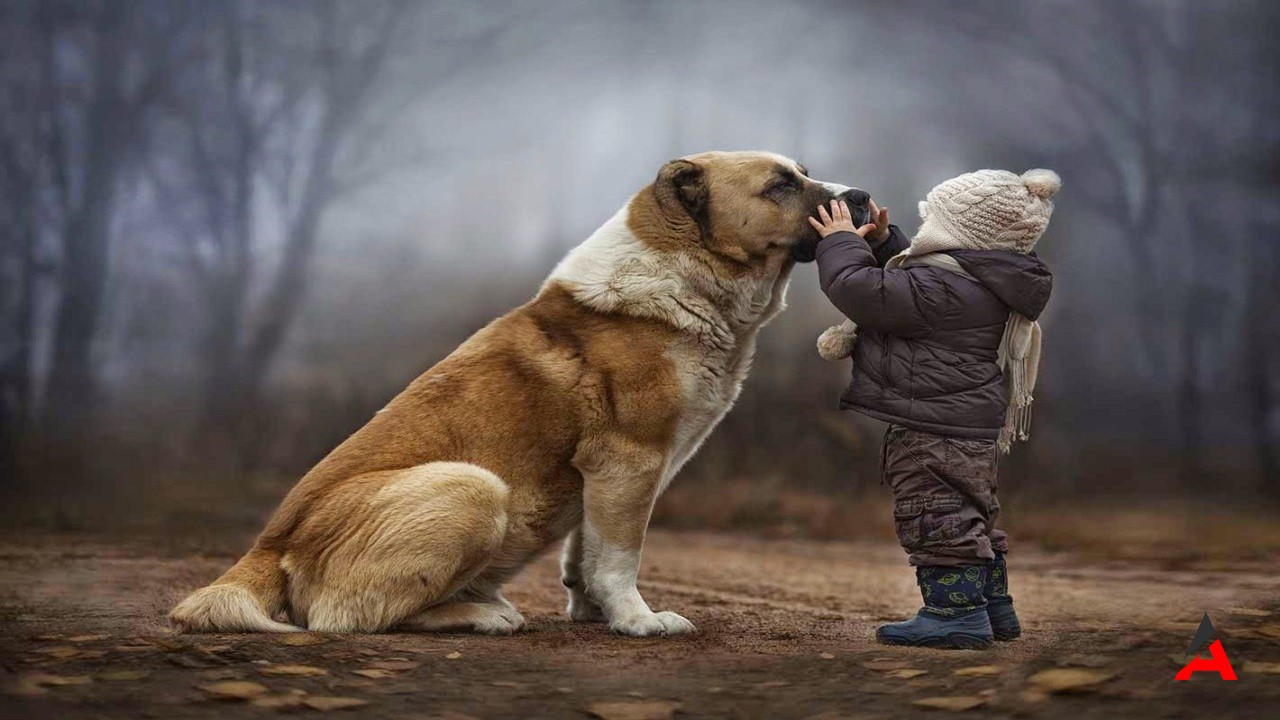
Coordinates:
1019 359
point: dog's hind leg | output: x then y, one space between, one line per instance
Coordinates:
496 617
411 541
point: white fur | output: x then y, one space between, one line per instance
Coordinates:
611 583
614 271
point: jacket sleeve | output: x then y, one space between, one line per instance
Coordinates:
890 246
887 301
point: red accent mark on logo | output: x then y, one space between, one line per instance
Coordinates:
1217 662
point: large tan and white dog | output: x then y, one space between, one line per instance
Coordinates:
567 416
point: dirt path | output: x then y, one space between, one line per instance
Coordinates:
784 633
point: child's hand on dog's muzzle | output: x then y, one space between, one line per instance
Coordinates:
839 220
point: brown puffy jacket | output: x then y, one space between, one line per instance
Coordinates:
925 356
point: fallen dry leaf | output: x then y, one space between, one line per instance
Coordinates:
1271 630
292 671
1248 612
826 656
36 683
235 690
326 703
301 639
634 710
45 638
1063 680
123 675
1033 696
135 648
1264 668
278 702
906 673
979 671
883 665
955 703
397 664
86 638
60 652
374 673
453 655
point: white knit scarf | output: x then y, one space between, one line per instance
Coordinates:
1018 355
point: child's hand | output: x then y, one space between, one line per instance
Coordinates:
839 220
879 216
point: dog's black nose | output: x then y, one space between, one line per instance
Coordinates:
856 197
859 204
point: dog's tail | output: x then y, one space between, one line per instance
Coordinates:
242 600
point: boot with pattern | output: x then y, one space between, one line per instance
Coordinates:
1004 621
954 615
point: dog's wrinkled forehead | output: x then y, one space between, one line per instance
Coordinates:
726 168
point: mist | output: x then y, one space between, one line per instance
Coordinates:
233 230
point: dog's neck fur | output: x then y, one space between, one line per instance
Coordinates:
614 271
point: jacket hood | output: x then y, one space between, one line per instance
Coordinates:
1021 281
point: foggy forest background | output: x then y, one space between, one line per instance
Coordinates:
232 230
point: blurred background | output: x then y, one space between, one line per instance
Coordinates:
232 230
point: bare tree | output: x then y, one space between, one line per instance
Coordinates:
1127 104
286 125
94 110
20 268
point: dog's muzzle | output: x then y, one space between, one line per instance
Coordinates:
859 202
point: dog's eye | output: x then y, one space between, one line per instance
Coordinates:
783 186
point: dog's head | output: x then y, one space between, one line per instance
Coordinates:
749 207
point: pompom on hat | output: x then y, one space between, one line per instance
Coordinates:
987 210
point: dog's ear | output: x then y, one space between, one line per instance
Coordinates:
682 187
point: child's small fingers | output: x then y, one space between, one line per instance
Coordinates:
835 208
822 212
844 211
816 225
862 231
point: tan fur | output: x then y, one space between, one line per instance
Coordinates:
568 415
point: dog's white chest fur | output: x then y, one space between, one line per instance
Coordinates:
615 271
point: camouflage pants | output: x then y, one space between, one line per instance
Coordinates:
944 492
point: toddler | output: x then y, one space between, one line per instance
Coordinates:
947 349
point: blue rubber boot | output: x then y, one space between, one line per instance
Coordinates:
1004 621
954 615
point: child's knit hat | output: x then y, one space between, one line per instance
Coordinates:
987 210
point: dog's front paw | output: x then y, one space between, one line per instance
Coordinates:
662 623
